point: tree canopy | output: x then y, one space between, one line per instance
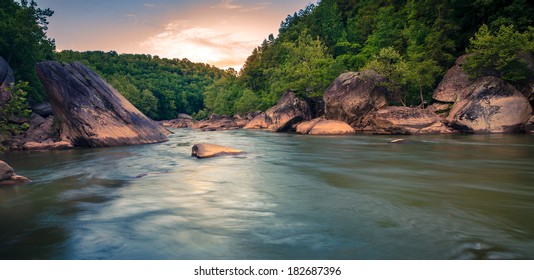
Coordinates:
160 88
410 42
23 41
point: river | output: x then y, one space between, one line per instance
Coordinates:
290 197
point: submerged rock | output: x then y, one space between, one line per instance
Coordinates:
353 96
284 116
205 150
321 126
91 113
8 176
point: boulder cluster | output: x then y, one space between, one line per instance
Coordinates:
358 102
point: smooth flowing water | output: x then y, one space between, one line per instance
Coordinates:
289 197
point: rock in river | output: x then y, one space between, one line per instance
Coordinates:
8 176
492 106
321 126
405 120
353 96
205 150
91 112
284 116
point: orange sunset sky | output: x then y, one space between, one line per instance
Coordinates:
219 32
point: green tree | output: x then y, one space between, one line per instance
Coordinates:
23 41
16 108
497 53
307 70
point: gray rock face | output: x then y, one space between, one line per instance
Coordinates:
6 79
41 131
404 120
205 150
91 112
492 106
353 96
284 116
42 109
454 85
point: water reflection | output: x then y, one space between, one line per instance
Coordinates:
290 197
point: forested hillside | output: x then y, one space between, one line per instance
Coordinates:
412 43
159 87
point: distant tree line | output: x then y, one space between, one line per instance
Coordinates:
160 88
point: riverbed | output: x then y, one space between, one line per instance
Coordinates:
289 197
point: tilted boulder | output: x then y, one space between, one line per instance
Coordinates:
405 120
284 116
91 112
6 80
353 96
491 106
320 126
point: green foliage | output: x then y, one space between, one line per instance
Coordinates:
228 96
498 53
410 42
307 69
160 88
23 41
16 108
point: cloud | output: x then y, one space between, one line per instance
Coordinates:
228 4
179 39
149 5
231 5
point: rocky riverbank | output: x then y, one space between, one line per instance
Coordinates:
356 102
85 111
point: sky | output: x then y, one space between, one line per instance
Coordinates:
218 32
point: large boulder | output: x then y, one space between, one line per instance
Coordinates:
284 116
206 150
6 79
8 176
405 120
353 96
320 126
454 85
491 106
91 113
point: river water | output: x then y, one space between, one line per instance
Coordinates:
289 197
